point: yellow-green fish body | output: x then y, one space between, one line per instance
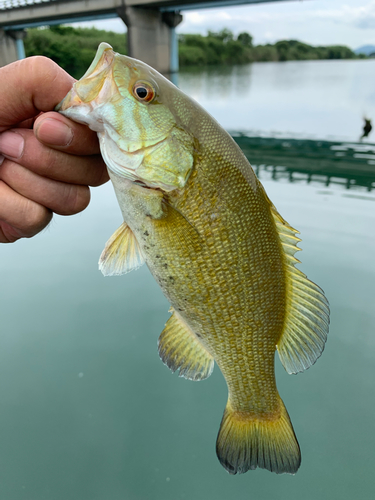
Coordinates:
195 212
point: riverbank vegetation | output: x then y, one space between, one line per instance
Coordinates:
72 48
224 48
75 48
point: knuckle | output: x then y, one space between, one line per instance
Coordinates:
35 217
43 67
8 234
73 200
51 162
10 172
20 216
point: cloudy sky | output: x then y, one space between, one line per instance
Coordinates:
317 22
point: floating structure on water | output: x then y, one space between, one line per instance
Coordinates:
351 165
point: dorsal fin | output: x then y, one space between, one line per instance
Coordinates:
180 348
307 309
121 254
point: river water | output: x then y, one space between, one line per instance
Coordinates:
314 99
89 412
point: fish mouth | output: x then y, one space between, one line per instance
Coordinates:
103 59
83 89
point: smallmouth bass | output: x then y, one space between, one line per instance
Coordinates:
195 212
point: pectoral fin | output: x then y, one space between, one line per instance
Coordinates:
180 348
121 254
175 229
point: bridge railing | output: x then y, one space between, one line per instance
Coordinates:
19 4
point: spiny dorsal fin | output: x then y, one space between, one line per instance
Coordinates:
121 254
307 315
179 348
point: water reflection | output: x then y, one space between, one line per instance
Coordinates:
217 82
308 99
351 165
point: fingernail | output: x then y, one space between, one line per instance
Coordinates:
11 144
54 132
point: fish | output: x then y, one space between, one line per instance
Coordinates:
197 215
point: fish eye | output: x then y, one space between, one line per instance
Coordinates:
143 92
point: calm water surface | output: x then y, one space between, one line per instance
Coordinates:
315 99
89 412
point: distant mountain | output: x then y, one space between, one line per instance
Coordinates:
365 49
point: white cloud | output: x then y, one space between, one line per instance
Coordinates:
361 16
195 18
224 15
318 22
269 35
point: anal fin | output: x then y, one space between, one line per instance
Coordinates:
121 254
179 348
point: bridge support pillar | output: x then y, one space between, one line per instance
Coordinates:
11 46
152 37
8 48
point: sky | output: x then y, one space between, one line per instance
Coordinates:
316 22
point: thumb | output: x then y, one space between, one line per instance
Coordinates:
29 86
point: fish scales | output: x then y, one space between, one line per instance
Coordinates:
260 298
195 212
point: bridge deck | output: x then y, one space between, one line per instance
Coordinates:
24 13
151 34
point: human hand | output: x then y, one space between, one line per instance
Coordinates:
49 169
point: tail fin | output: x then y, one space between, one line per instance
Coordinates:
245 443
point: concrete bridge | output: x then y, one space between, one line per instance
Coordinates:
150 23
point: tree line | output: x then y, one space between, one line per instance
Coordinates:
75 48
71 48
224 48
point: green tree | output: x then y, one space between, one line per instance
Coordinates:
72 48
224 35
340 52
234 53
282 49
262 53
75 48
191 56
245 39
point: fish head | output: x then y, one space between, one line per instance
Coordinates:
131 107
